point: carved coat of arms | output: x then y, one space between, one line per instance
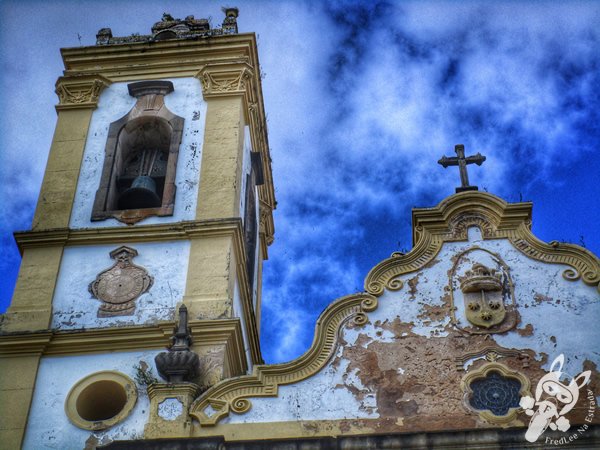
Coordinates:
482 294
483 281
120 285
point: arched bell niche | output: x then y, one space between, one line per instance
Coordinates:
138 176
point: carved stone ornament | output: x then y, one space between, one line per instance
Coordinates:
483 281
482 294
119 286
80 92
179 364
217 81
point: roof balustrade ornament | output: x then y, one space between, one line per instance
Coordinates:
172 28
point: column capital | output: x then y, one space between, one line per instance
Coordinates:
80 91
224 80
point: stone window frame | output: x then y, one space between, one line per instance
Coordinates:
483 372
73 396
150 105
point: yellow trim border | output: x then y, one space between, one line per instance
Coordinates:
482 372
447 222
497 219
111 376
232 395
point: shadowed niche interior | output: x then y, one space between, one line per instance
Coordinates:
101 400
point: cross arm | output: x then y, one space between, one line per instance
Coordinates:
477 159
445 161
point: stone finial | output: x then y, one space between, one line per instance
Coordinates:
230 20
179 363
103 36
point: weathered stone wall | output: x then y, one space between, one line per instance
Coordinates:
402 371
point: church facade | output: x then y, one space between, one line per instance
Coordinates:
135 320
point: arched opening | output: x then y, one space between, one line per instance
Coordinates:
138 176
141 163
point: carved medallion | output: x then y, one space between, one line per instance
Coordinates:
482 294
119 286
483 281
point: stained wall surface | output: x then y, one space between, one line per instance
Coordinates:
402 371
49 427
75 307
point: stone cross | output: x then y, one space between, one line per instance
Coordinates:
462 162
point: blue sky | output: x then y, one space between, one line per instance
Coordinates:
362 99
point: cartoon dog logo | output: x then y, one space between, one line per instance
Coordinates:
553 399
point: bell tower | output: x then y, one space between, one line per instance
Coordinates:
151 227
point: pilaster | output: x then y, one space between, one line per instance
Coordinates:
169 406
212 267
78 96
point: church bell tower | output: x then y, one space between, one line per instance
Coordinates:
151 228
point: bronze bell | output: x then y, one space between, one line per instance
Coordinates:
141 194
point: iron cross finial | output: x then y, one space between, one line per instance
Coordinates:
461 161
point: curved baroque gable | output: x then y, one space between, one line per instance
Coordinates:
432 227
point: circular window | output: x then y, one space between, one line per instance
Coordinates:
101 400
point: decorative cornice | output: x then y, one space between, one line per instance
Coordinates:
155 233
584 264
224 80
139 233
497 219
186 58
81 91
385 275
75 342
232 395
491 354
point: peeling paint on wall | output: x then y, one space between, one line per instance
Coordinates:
402 371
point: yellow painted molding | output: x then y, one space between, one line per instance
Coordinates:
154 233
82 91
497 219
79 396
139 233
103 340
482 372
232 395
214 57
24 344
224 80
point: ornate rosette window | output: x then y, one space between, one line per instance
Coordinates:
138 176
494 391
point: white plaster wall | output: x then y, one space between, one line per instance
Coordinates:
572 322
186 101
74 307
315 398
48 426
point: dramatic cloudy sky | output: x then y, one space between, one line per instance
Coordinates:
362 99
